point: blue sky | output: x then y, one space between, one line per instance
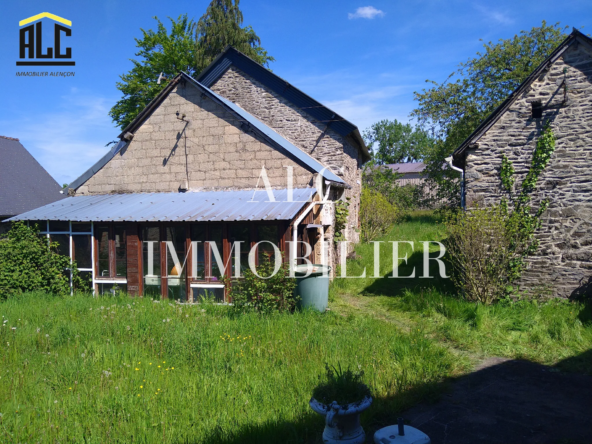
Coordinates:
363 63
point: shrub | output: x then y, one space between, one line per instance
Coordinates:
342 386
376 214
28 263
478 248
385 181
264 294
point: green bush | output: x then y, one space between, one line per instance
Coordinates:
266 293
376 214
482 245
28 263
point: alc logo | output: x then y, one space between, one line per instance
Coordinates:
31 45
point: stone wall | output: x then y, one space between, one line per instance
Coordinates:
314 138
211 150
563 263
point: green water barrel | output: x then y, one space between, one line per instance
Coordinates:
314 288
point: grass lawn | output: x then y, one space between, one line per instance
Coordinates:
129 370
553 333
98 370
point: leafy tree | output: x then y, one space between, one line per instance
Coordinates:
453 109
161 52
396 142
219 27
188 47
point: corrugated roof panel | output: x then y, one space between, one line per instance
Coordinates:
175 207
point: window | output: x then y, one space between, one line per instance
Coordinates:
175 262
239 233
151 261
268 233
111 251
537 110
74 240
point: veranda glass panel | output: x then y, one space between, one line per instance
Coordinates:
267 233
151 260
198 234
85 282
201 293
216 239
120 251
175 254
102 236
63 241
82 250
81 227
58 225
239 233
112 289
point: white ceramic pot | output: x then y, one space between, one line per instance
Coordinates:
342 422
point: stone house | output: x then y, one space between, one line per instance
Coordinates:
558 92
24 183
238 155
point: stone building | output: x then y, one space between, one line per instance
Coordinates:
558 92
160 213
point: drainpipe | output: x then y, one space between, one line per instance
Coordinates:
300 218
462 181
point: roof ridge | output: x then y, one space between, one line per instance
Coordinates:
493 117
9 138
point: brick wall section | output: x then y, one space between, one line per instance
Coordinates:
312 137
563 262
220 155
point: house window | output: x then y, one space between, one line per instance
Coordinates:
74 240
269 233
111 257
175 240
537 110
151 261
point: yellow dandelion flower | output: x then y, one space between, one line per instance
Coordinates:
141 386
172 368
137 369
138 394
164 362
70 388
151 363
159 366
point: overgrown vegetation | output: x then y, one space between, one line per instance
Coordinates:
82 369
341 213
344 386
451 110
29 263
376 214
555 332
264 291
384 180
488 247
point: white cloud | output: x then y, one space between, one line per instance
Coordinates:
367 12
70 139
495 16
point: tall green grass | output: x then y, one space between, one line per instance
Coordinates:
99 370
553 332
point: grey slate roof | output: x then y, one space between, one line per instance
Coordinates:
231 56
242 205
275 139
410 167
24 184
